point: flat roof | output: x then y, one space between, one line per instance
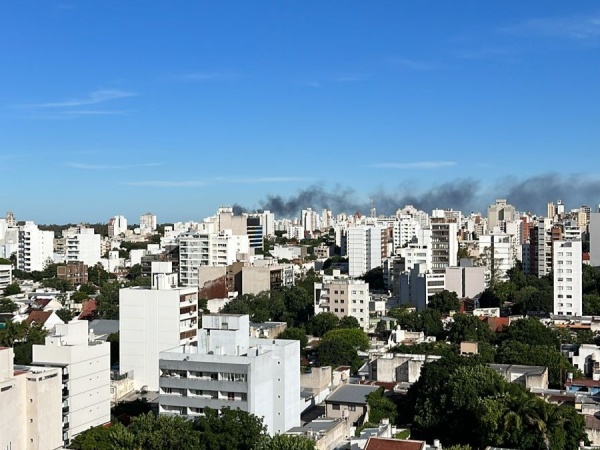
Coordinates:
351 393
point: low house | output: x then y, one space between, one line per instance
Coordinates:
350 402
376 443
530 376
398 367
325 432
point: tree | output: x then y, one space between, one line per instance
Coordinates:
337 352
101 438
58 284
322 323
444 301
288 442
164 432
380 407
349 322
355 337
230 429
375 279
12 289
297 334
98 275
468 328
530 331
108 301
489 299
65 314
7 305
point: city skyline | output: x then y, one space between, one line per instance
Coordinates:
114 108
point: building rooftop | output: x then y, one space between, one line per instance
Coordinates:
529 370
316 426
393 444
351 393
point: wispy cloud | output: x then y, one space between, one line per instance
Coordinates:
205 76
414 64
323 81
484 53
87 166
577 27
93 98
216 180
414 165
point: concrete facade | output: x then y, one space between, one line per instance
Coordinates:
343 297
36 248
398 368
85 367
567 278
30 406
153 320
230 369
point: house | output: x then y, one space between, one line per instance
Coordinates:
47 319
376 443
398 368
584 385
325 432
349 401
530 376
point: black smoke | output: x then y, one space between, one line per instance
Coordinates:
465 194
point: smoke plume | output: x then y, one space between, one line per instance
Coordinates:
465 194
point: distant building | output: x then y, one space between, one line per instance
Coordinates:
117 225
76 272
567 278
82 245
147 223
367 247
350 402
500 212
5 275
343 297
230 369
36 248
594 238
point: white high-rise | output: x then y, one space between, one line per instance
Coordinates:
147 223
444 245
208 249
230 369
36 247
85 365
567 278
366 249
82 244
117 225
152 320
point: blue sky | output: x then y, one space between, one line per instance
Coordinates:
113 107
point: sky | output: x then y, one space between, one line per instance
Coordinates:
124 107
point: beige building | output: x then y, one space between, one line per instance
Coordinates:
343 297
398 368
30 406
350 402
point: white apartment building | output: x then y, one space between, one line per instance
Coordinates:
147 223
152 320
405 229
117 225
498 253
421 216
310 220
228 368
208 249
544 247
82 244
5 275
85 366
366 249
567 278
36 247
444 245
416 286
30 406
500 212
343 297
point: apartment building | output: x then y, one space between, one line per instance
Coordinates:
36 247
343 297
444 245
152 320
76 272
85 368
30 406
208 249
5 275
117 225
500 212
405 230
228 368
498 253
367 247
594 228
568 278
147 223
417 285
82 244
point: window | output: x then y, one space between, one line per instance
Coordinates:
336 310
569 279
335 407
352 408
231 396
335 292
560 296
342 310
341 292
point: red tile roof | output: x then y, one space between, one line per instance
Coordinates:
393 444
38 317
583 382
88 311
